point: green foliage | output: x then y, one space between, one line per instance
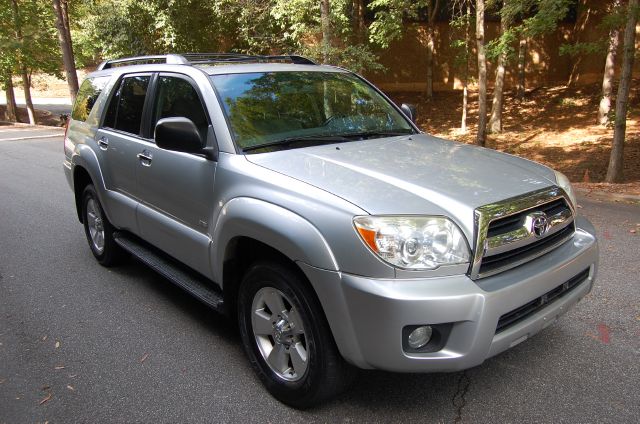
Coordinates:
503 44
117 28
459 22
584 48
389 15
38 49
547 15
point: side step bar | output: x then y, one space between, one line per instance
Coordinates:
183 277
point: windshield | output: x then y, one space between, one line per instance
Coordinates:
267 108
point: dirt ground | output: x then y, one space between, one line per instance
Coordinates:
552 125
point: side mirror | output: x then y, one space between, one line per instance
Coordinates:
409 111
179 134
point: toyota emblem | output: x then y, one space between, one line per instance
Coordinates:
539 224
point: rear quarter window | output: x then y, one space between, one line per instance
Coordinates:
87 96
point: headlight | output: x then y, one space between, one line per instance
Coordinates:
413 242
565 184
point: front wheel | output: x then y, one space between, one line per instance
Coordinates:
98 229
287 338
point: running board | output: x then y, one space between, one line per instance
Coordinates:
183 277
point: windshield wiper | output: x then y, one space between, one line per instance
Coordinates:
366 134
312 140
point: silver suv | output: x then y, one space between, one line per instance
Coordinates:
301 201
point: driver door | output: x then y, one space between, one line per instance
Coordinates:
176 189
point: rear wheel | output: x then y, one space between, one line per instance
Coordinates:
98 229
287 338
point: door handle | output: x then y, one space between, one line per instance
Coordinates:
103 143
145 158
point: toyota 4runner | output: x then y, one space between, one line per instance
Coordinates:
301 201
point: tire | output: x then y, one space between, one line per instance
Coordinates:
277 343
99 230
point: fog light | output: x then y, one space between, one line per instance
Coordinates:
420 337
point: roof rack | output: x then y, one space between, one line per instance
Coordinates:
203 59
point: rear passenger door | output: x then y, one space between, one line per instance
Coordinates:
176 189
119 140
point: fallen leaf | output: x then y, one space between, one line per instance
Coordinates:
46 399
44 338
58 367
57 345
72 375
70 387
632 231
579 206
144 357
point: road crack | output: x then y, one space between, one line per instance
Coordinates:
459 400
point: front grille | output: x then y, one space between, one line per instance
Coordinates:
507 236
511 318
502 260
512 222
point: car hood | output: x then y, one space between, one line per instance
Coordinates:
418 174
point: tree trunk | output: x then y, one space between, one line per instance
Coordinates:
432 9
359 26
522 65
614 173
495 122
465 81
66 47
482 75
325 20
26 84
11 114
609 71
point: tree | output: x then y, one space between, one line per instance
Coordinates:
543 17
26 82
33 46
301 21
66 46
502 50
8 61
461 21
325 20
432 10
609 67
522 66
482 75
11 113
614 172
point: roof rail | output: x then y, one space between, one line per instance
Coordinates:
203 58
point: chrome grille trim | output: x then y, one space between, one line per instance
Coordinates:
486 214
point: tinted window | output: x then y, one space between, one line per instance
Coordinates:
87 95
125 110
177 98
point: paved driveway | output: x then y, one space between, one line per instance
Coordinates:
82 343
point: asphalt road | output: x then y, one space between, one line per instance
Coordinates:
82 343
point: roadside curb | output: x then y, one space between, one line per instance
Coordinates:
22 125
612 197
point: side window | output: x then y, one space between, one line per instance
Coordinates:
87 95
125 110
177 98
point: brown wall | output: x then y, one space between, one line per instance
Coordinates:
405 59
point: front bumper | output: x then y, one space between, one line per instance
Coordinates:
367 315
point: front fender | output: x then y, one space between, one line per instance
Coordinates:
274 226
